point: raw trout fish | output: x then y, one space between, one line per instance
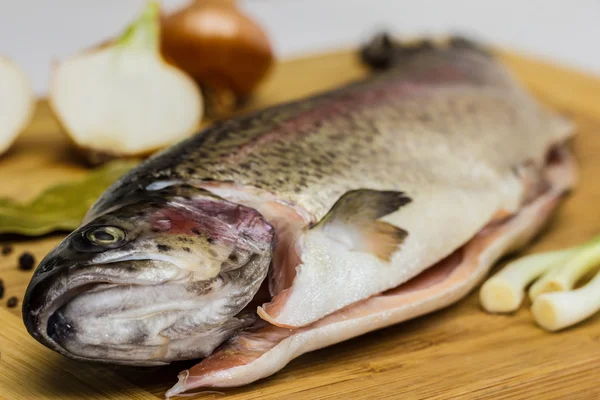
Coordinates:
273 234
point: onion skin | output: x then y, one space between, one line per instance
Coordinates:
218 46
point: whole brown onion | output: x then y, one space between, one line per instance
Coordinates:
221 48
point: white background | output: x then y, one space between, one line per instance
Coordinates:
35 32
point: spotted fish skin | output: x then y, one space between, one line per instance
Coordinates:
448 115
337 198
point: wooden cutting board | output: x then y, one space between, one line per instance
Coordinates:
459 352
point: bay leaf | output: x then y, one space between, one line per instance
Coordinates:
60 207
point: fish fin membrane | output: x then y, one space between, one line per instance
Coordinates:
354 221
383 52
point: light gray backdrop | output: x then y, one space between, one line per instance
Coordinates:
34 32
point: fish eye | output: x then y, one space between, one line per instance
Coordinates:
105 236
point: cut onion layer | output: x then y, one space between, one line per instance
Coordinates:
124 99
555 304
559 310
17 102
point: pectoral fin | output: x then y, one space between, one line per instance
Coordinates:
354 221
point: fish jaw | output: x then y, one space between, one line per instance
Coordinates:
174 289
141 322
260 352
118 324
54 286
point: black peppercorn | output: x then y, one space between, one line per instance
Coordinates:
12 302
26 261
1 289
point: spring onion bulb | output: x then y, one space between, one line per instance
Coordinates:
555 303
504 292
559 310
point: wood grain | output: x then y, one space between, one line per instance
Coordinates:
459 352
28 371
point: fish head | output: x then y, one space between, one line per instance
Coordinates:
163 277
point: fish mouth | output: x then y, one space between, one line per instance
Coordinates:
48 295
89 316
60 332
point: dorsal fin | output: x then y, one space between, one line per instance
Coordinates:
383 52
